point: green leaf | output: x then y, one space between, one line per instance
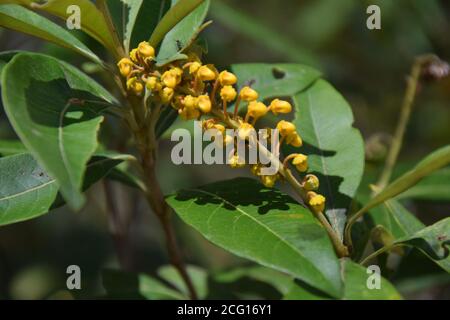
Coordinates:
263 225
42 104
172 17
182 34
92 20
432 188
27 191
198 276
438 159
21 19
120 285
335 149
355 287
136 19
11 147
275 80
5 57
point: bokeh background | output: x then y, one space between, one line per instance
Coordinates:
368 67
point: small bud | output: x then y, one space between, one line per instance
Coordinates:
248 94
190 102
245 130
135 85
310 182
133 55
269 181
280 106
189 113
256 109
204 103
194 66
153 84
166 94
227 78
146 50
227 93
300 162
219 127
171 78
316 201
125 66
205 74
294 140
286 128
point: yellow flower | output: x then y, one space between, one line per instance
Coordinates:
146 50
166 94
300 162
280 106
204 103
227 93
135 85
219 127
227 78
171 78
294 140
153 84
125 66
286 128
236 162
269 181
189 113
316 201
190 102
134 55
205 74
310 182
194 66
248 94
245 130
256 109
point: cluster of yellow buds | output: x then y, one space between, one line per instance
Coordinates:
195 89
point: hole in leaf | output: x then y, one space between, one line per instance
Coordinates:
278 73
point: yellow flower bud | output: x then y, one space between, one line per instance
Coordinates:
189 113
280 106
316 201
219 127
300 162
227 93
170 78
194 66
190 102
248 94
205 74
166 94
245 130
286 128
125 66
135 85
236 162
227 78
310 182
133 55
294 140
146 50
204 103
153 84
269 181
256 109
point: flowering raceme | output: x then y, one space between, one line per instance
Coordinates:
196 90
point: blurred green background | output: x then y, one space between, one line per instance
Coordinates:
368 67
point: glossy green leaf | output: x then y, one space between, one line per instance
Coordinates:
437 160
21 19
434 187
355 287
5 57
263 225
11 147
275 80
92 20
182 34
335 149
43 105
27 191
